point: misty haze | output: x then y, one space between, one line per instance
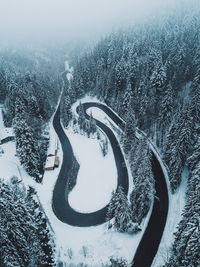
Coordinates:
31 21
99 133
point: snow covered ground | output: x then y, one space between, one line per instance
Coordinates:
8 169
97 176
8 162
68 69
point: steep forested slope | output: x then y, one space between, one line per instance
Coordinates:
150 75
153 73
29 89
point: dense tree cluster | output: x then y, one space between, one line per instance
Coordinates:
178 144
87 126
29 90
185 251
151 76
120 209
65 105
25 239
151 73
73 173
129 133
31 73
128 214
143 191
26 147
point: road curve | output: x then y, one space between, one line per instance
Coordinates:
60 203
150 241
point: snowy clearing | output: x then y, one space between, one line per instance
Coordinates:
97 176
8 169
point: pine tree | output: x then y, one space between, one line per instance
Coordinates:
92 124
143 180
122 213
126 101
140 103
167 105
178 145
121 74
158 77
130 131
165 114
132 65
66 113
195 157
9 105
20 103
120 209
26 147
33 107
82 119
195 101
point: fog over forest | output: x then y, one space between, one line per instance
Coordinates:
28 21
99 133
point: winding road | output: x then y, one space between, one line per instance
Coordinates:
60 203
150 241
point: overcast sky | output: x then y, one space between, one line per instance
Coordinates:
35 20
